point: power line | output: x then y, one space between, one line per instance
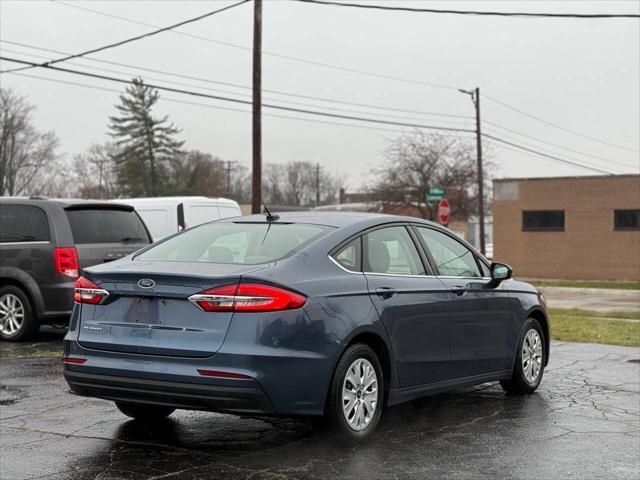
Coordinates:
335 67
551 157
235 85
472 12
137 37
267 53
287 101
237 100
533 155
215 107
492 137
547 152
279 92
304 104
558 146
573 132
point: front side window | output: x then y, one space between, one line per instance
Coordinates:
391 250
239 243
626 219
23 223
543 220
350 256
452 258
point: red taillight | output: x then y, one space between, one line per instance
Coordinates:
66 261
74 360
247 297
86 291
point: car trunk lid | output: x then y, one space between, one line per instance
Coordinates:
148 311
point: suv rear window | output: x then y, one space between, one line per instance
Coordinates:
106 225
240 243
23 223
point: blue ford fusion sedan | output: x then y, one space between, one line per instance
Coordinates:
318 314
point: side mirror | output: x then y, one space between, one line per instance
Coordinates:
500 272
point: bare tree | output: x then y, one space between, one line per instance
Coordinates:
27 156
240 184
95 172
417 162
198 173
297 184
272 184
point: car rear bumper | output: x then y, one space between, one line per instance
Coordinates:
287 360
229 399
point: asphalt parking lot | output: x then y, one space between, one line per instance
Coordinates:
584 423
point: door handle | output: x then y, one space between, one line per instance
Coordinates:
459 290
386 292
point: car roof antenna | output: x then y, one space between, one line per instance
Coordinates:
270 216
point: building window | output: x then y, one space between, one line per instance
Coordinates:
543 220
626 219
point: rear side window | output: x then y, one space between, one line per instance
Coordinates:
23 223
106 225
350 256
391 250
240 243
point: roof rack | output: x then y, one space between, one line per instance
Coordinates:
38 197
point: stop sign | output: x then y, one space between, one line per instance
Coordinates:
444 209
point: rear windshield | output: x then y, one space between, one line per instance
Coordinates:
106 225
241 243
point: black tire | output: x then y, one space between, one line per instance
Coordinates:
29 325
334 416
518 383
144 413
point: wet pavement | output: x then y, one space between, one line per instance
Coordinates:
583 423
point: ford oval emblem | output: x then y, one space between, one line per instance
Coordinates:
146 283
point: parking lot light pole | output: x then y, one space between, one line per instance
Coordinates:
256 185
475 98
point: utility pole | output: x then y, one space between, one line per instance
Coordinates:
475 98
229 162
256 185
100 167
317 184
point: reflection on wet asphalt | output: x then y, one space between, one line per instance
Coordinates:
583 423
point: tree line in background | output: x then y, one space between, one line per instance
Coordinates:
145 157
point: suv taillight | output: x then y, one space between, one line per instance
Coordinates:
85 291
247 297
66 261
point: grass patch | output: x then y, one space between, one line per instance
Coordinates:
577 312
586 284
587 326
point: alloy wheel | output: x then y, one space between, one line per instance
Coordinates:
360 394
11 314
532 355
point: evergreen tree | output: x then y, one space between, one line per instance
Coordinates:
145 144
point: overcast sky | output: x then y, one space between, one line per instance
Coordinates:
583 75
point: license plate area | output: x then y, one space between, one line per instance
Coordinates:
145 311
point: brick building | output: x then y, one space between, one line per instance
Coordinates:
569 227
